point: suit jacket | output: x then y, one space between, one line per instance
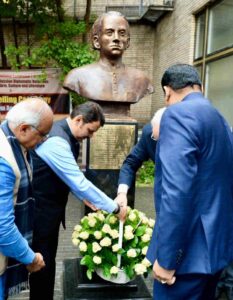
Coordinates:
194 201
142 151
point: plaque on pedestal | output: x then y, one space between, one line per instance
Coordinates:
106 151
78 286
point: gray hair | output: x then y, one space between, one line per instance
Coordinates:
157 117
29 111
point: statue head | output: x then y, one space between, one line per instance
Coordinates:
110 34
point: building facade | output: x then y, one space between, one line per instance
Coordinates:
164 32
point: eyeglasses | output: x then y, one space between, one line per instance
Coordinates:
42 134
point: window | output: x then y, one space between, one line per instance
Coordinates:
214 54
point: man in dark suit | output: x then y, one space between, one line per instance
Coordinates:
193 238
142 151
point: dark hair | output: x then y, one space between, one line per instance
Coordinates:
97 26
90 111
180 76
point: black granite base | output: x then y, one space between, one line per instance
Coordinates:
78 286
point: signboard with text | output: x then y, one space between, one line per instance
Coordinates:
15 86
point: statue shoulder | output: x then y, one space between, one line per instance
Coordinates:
80 75
141 79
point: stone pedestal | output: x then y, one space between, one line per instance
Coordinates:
78 286
106 151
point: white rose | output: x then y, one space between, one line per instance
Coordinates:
84 235
151 223
112 220
83 247
92 222
75 242
96 247
128 235
105 242
115 248
114 233
144 220
146 262
98 235
131 253
145 238
78 228
92 215
100 216
128 228
144 250
132 216
140 269
106 228
75 235
141 214
97 260
114 270
149 231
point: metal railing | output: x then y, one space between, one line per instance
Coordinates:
138 8
132 9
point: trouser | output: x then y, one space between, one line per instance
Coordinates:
3 286
188 287
42 282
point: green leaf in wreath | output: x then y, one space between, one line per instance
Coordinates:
87 261
140 230
89 274
121 251
134 242
106 270
129 271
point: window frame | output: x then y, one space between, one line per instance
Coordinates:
216 55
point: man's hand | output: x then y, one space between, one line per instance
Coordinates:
37 264
89 204
121 199
163 275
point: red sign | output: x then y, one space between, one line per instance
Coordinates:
16 86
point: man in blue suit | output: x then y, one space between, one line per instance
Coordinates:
193 237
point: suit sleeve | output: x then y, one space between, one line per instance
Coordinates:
134 160
178 155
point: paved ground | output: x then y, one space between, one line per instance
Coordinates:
143 202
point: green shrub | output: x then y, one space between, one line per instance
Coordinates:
145 175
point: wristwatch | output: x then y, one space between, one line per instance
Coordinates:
117 210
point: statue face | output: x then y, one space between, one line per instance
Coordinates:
114 37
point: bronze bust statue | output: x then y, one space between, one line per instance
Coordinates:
109 80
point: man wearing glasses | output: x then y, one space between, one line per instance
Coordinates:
26 125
